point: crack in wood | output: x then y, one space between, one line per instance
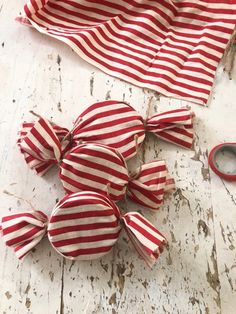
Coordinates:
91 82
203 226
228 192
229 278
62 287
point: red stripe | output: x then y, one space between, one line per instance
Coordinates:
88 251
98 225
108 154
14 216
85 160
174 139
81 215
83 187
66 169
147 223
10 229
110 123
86 239
25 236
145 233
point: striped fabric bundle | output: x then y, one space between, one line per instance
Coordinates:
102 169
111 123
117 124
23 231
170 46
82 226
42 144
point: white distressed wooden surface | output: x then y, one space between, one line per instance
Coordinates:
196 274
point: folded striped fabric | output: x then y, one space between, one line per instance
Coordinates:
170 46
111 123
82 226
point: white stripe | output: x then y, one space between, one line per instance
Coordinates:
85 233
144 199
145 227
80 222
86 245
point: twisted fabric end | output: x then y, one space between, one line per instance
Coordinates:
24 231
147 240
149 183
42 144
175 126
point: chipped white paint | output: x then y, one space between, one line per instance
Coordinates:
196 274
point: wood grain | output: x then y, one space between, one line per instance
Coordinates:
197 272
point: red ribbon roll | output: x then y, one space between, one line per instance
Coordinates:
82 226
230 147
112 123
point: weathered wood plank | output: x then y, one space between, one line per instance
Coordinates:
196 274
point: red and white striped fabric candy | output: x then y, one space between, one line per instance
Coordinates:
42 143
23 231
170 46
82 226
117 124
102 169
111 123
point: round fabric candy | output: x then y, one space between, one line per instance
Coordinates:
112 123
102 169
82 226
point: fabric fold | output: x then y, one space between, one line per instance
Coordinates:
172 47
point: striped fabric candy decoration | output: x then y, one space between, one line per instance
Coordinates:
111 123
99 168
117 124
23 231
42 144
82 226
170 46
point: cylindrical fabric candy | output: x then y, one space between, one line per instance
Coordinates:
112 123
99 168
82 226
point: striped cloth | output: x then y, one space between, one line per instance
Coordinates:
24 231
82 226
41 143
170 46
117 124
111 123
102 169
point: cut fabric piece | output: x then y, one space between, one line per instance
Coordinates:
82 226
111 123
172 47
